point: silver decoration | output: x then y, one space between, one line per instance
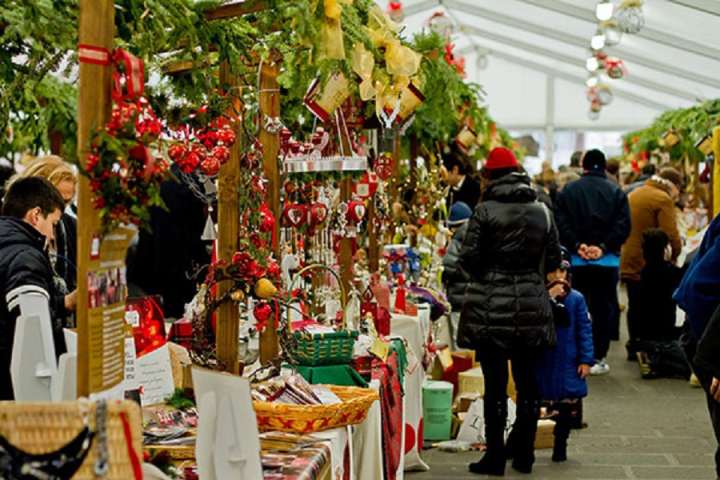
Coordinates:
630 19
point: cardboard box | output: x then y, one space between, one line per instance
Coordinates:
463 401
545 437
471 381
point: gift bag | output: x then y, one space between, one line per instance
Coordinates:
473 426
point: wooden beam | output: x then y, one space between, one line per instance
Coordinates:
270 107
97 27
228 316
236 9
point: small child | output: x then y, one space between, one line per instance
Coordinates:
659 353
562 369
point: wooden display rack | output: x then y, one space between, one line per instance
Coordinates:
97 28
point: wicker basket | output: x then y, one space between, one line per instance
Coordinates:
46 427
319 348
315 418
323 348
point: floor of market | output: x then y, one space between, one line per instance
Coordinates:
638 429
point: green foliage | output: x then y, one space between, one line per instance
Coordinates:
691 125
35 37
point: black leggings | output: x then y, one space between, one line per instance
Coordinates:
494 363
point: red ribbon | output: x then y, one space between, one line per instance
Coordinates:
134 459
134 76
93 54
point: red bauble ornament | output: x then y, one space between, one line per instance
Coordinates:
267 219
384 166
356 211
176 151
221 152
273 269
318 214
189 162
262 312
294 214
210 166
226 135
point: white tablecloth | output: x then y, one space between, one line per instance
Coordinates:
414 329
338 440
367 444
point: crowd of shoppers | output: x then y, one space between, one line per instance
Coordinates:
534 278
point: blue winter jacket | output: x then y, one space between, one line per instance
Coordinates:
557 371
699 291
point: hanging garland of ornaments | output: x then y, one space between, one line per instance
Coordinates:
613 22
124 170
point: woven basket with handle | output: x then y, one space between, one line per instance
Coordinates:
47 427
320 348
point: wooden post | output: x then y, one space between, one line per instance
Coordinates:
97 27
270 107
228 316
373 253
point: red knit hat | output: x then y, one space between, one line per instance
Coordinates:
501 157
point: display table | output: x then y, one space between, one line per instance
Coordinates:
343 375
286 456
414 329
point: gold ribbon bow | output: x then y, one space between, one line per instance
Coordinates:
332 46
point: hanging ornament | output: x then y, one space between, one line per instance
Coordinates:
367 185
209 233
318 214
613 34
384 165
356 211
294 214
267 219
395 11
441 24
604 94
615 68
630 16
262 312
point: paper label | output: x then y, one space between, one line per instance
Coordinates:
154 376
380 349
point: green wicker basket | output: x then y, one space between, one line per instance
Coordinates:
320 348
323 348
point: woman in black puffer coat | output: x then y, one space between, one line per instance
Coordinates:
511 241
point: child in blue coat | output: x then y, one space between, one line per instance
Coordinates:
562 370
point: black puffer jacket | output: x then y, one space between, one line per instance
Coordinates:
509 236
454 277
23 262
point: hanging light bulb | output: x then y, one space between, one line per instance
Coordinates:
598 40
612 32
604 10
593 115
481 62
592 64
592 81
630 16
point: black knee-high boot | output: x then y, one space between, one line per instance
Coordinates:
524 432
493 462
562 431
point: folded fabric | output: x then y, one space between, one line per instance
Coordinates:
609 260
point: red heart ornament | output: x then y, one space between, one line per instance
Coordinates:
295 214
262 313
356 211
318 214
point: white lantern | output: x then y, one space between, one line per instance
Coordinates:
592 64
593 115
598 41
441 24
612 32
604 10
592 81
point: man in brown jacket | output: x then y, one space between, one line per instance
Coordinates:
651 206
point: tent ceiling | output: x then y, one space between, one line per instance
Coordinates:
673 62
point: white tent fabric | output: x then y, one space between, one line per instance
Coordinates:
536 50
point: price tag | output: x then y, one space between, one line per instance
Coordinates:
380 349
132 318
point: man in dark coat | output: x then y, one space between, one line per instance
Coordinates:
31 209
463 187
699 296
167 257
593 218
511 241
